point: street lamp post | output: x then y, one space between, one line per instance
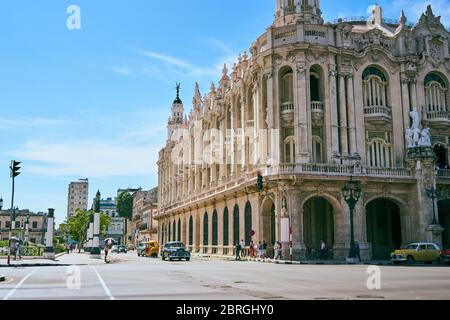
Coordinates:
352 194
1 204
433 194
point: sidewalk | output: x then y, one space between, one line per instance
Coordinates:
62 259
288 262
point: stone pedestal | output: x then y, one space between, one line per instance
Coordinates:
49 251
434 233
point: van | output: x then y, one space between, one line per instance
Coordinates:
152 249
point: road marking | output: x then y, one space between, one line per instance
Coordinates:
18 285
111 297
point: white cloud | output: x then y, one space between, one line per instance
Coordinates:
20 122
90 158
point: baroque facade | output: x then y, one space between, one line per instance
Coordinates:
312 105
36 223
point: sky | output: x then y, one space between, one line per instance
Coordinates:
94 102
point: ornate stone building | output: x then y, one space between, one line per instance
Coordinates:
312 106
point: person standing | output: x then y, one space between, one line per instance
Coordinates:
17 251
238 251
264 249
250 249
357 250
242 248
323 250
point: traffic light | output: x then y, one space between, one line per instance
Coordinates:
260 182
14 168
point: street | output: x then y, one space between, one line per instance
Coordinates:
132 277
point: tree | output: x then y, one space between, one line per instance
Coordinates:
124 205
78 224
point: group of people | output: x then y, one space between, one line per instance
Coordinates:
70 248
257 250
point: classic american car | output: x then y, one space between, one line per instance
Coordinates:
417 252
175 251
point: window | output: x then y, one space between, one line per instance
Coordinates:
236 224
205 229
215 229
8 224
375 91
289 150
317 149
379 149
287 85
436 98
191 231
226 241
34 225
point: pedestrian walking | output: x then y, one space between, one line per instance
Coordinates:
107 245
357 249
259 249
255 250
17 248
323 250
277 250
238 251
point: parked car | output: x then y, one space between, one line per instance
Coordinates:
445 256
175 251
417 252
119 249
141 249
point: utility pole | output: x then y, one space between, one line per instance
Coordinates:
14 167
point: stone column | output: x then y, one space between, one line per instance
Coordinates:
296 216
49 251
343 116
302 121
351 115
333 111
406 103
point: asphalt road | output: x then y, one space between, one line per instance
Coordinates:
132 277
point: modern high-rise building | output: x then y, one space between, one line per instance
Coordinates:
77 197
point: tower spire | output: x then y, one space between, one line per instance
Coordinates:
177 99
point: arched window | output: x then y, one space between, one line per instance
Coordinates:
226 237
236 224
436 98
289 150
375 91
248 223
169 232
205 229
215 231
287 87
174 233
317 150
191 231
179 230
379 149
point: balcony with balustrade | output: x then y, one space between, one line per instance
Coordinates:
378 115
287 112
437 119
317 111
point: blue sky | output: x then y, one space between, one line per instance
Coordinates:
94 102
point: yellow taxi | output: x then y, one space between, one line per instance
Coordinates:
417 252
152 249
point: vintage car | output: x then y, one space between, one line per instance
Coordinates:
141 249
119 249
175 251
445 256
417 252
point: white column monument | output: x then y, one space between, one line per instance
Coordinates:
49 251
95 249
